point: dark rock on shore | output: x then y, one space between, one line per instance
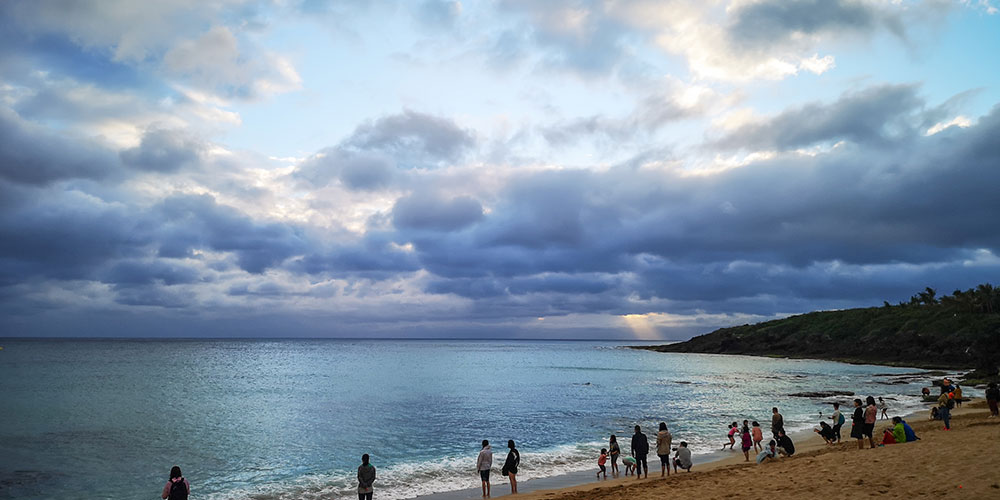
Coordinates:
821 394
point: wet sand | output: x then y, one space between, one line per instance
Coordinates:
964 461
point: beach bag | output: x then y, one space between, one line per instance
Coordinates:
178 490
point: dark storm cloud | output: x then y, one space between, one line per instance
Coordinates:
373 257
420 211
196 221
772 22
370 157
164 151
131 272
871 116
32 154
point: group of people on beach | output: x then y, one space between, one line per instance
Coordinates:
751 436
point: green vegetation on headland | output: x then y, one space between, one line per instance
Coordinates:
959 331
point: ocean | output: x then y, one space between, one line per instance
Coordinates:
290 419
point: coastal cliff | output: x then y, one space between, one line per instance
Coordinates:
955 331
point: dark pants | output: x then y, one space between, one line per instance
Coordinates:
836 431
993 406
641 465
364 496
945 413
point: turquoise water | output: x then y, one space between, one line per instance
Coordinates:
289 419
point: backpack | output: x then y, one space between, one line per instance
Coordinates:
178 490
951 404
841 420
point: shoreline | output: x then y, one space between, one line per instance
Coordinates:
971 418
806 441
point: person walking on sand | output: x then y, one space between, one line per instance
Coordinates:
993 399
601 460
883 408
639 450
945 403
733 429
484 462
177 488
663 442
871 415
366 478
510 466
858 424
682 458
758 436
747 441
838 420
614 451
777 422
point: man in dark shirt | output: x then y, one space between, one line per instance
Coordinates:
785 446
640 448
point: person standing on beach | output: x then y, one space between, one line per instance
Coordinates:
777 422
992 399
615 451
758 436
510 466
484 462
177 488
858 424
747 441
945 404
663 442
366 478
838 420
883 408
871 415
639 450
958 395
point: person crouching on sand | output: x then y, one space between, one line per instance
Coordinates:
826 432
682 458
484 462
663 442
768 453
603 459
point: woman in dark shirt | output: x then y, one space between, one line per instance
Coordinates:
858 424
510 465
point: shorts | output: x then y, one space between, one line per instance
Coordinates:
856 431
485 474
664 459
746 448
868 430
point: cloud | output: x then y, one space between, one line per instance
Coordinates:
425 212
371 156
875 115
439 14
215 60
32 154
765 23
164 151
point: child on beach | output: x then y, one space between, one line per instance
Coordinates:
768 453
733 428
883 407
629 463
615 451
747 441
758 436
601 461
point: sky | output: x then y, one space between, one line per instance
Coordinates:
489 169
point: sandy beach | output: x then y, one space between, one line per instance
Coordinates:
964 461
